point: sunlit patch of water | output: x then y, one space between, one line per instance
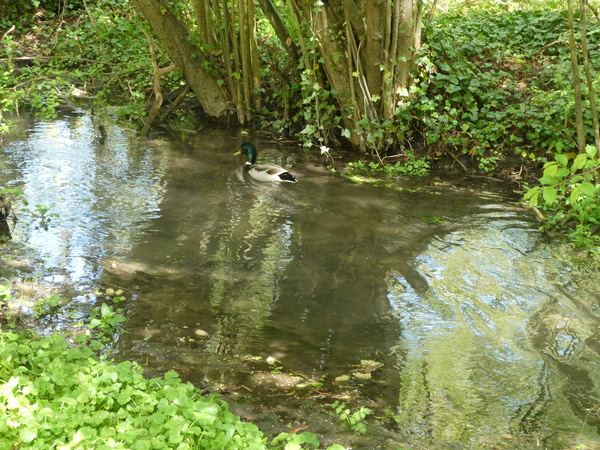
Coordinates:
479 332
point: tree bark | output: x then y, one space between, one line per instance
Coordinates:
576 79
367 52
588 75
204 21
188 58
375 16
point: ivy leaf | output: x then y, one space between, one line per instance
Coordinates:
309 129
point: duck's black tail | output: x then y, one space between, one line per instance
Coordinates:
286 176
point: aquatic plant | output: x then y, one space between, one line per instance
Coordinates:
355 420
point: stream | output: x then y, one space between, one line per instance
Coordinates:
440 307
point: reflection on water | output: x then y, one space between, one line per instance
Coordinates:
487 335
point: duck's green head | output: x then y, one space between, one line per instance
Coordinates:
249 150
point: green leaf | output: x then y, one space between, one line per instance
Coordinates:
562 160
549 180
533 200
591 151
28 434
577 179
579 162
587 189
550 169
574 195
549 195
310 438
563 172
309 129
123 398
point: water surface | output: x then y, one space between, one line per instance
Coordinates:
481 333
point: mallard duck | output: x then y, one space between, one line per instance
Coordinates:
264 172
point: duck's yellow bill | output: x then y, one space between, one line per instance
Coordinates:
239 152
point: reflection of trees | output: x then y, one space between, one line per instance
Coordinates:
250 259
103 194
564 332
295 273
468 357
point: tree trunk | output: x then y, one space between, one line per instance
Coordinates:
367 51
375 16
588 75
188 58
204 21
576 79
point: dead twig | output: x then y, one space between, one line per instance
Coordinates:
158 73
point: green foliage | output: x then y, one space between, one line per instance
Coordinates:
413 167
43 216
47 305
54 396
106 319
495 84
355 420
296 441
102 60
570 195
57 395
4 292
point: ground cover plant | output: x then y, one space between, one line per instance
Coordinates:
60 391
497 87
95 56
56 395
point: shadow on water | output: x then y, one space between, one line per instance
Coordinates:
443 306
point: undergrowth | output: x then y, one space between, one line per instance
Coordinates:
569 197
56 392
57 396
497 85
